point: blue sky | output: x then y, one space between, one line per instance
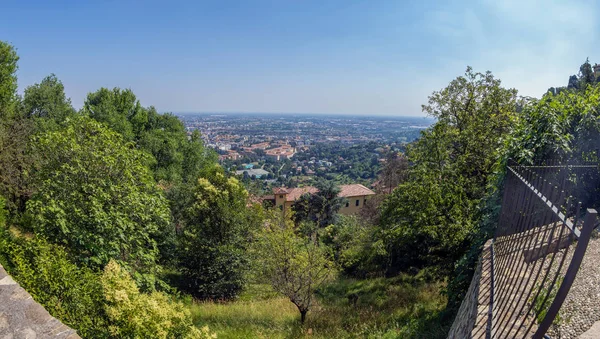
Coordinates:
352 57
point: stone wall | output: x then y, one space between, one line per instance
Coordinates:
471 319
23 317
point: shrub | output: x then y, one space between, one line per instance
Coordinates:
70 293
213 245
137 315
96 306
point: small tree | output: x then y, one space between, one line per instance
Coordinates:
295 266
212 245
320 208
394 172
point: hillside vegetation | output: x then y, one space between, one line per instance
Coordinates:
123 225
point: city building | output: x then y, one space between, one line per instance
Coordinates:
231 155
280 153
356 196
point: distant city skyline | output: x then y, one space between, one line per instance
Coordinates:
320 57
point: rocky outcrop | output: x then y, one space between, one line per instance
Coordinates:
23 317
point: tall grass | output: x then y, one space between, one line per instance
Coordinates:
402 307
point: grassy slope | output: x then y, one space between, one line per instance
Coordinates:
403 307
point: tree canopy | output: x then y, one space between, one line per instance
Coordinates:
214 236
428 218
95 195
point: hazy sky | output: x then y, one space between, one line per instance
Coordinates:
355 57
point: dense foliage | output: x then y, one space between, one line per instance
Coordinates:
137 315
451 165
320 208
104 304
95 195
69 292
47 104
176 157
214 237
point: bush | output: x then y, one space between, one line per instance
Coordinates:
351 242
213 244
2 212
137 315
97 306
70 293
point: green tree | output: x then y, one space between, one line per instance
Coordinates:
47 103
8 80
294 265
14 134
561 126
215 234
586 75
114 108
429 218
94 195
320 208
176 158
2 212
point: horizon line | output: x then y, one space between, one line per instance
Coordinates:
300 113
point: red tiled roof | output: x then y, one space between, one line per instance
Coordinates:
280 190
354 190
292 194
295 193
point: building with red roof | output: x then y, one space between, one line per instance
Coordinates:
356 196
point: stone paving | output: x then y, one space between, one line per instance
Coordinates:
21 317
581 309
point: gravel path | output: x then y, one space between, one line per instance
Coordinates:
581 308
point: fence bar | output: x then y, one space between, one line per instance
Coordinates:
539 217
553 207
588 227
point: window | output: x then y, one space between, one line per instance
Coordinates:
281 196
357 202
364 202
347 204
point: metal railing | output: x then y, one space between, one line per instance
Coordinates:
543 232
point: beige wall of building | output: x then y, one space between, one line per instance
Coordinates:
354 204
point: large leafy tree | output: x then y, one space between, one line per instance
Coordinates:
215 232
115 108
14 134
95 195
47 103
586 75
8 80
429 218
176 158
